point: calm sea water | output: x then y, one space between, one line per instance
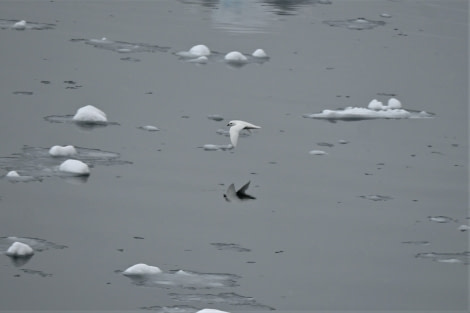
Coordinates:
345 231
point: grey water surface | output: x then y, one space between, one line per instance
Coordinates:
371 224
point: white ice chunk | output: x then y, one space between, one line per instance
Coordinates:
150 128
464 227
21 25
142 269
376 105
394 103
13 174
259 53
449 261
200 50
199 60
62 150
211 311
235 56
90 114
317 152
19 249
75 167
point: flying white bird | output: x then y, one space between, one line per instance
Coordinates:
236 127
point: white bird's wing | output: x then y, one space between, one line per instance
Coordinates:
234 132
231 192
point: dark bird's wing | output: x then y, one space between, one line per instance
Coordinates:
241 193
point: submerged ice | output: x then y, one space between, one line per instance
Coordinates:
24 25
121 46
355 24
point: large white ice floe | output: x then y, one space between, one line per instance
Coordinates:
90 114
375 110
19 249
141 269
75 167
58 151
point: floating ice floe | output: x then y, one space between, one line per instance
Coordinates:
75 167
355 24
90 114
21 25
121 46
142 269
213 147
199 60
24 25
12 174
211 311
376 197
170 309
36 244
61 151
235 57
200 50
374 110
259 53
451 258
441 219
145 275
19 249
195 52
149 128
463 228
317 152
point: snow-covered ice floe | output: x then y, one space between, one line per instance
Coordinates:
62 151
74 167
149 128
24 25
19 249
36 244
90 114
375 110
146 275
214 147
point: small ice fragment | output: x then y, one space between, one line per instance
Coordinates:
259 53
376 105
75 167
181 272
199 60
21 25
449 261
150 128
62 151
235 56
19 249
141 269
464 228
200 50
394 103
90 114
317 152
343 142
386 15
13 174
440 219
211 311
